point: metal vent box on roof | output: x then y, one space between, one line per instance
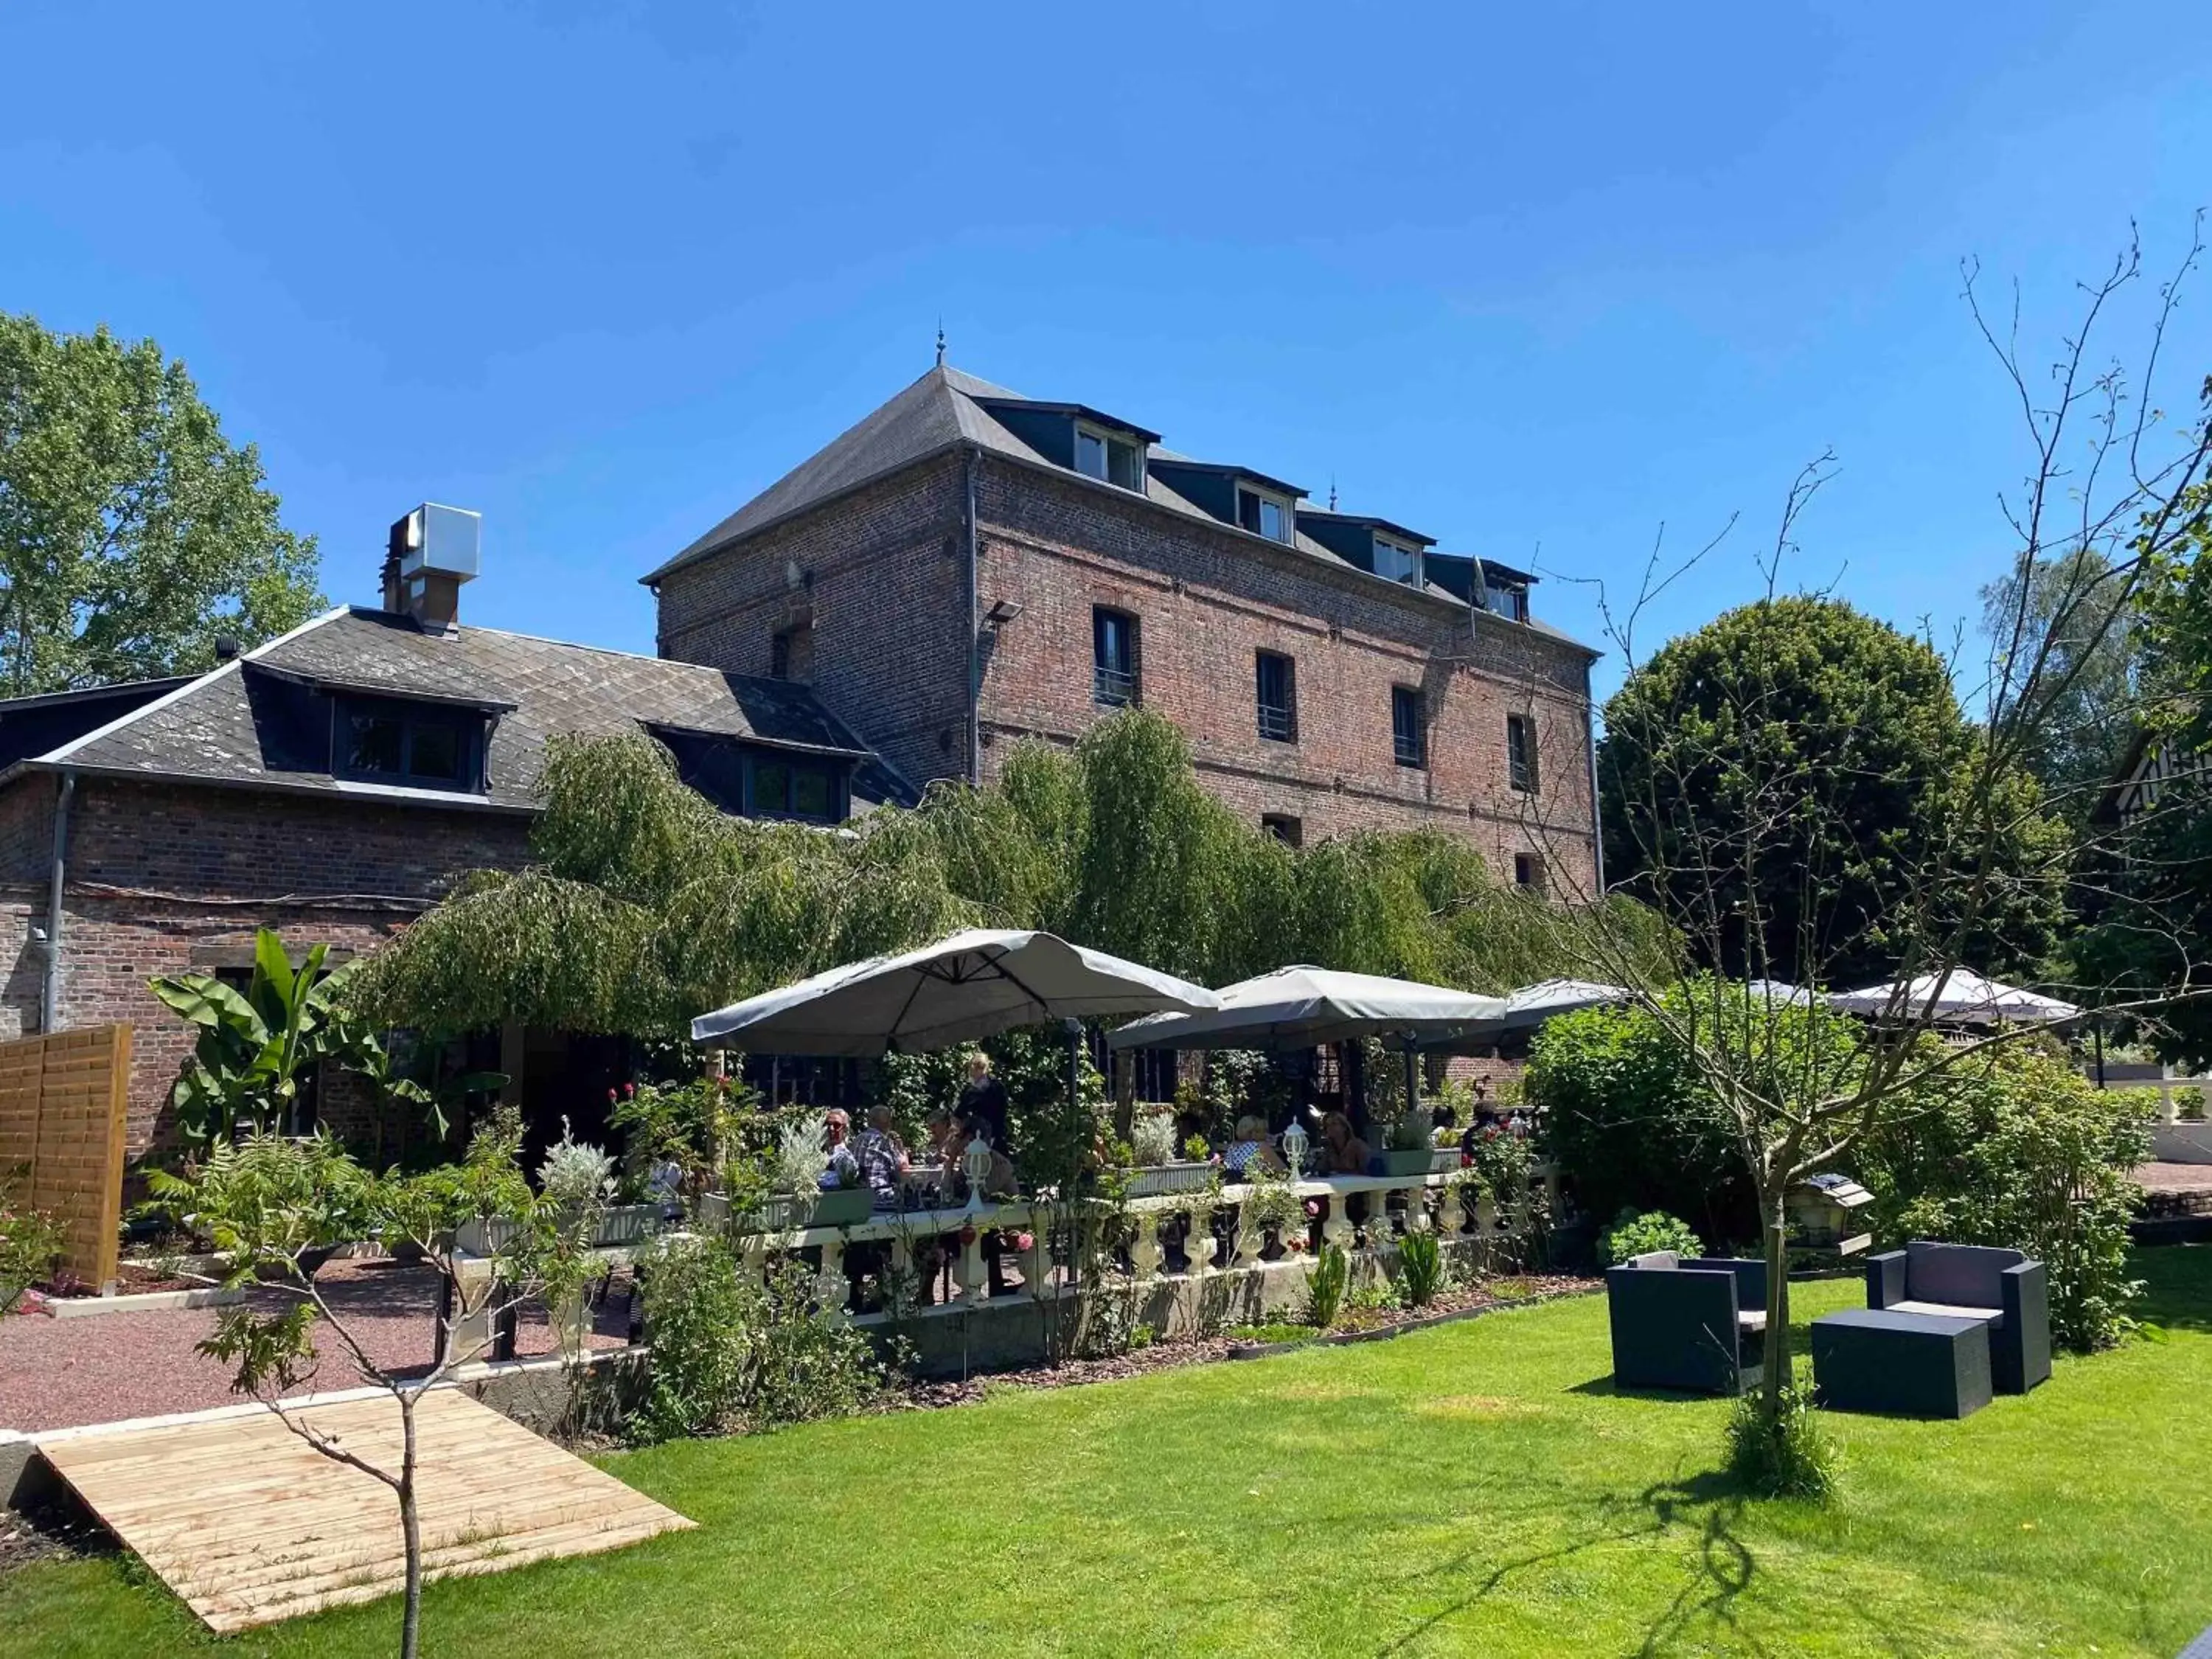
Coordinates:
445 539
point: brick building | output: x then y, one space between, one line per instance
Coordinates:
333 784
967 567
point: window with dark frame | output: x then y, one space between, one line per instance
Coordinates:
1263 515
1528 872
1117 460
1505 598
1278 696
1155 1076
1409 737
1520 753
794 789
1283 827
429 746
1112 657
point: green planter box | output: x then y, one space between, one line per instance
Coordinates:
1419 1161
846 1207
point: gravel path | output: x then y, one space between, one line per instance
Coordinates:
57 1373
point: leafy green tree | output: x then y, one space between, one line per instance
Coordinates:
1797 771
2154 912
133 533
647 906
2080 608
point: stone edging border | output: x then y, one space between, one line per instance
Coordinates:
92 1307
1383 1333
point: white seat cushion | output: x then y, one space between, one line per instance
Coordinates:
1945 1310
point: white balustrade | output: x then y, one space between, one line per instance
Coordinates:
1148 1254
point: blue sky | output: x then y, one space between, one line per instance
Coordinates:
1525 277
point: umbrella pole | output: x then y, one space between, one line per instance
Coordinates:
1412 1078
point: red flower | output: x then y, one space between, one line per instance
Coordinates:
1024 1241
610 1097
967 1235
629 1091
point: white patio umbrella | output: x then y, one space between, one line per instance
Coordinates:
971 985
1304 1007
1532 1004
1966 996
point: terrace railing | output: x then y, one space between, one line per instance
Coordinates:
1193 1236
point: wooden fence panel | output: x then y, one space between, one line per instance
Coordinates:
62 1104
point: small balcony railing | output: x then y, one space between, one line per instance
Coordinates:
1116 688
1277 724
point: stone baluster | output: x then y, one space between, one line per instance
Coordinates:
1036 1261
1250 1241
1198 1242
1144 1250
975 1286
902 1268
836 1292
1337 1228
1379 1235
1417 1219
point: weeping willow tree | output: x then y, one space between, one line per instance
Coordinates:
646 905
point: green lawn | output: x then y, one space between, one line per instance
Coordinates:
1477 1489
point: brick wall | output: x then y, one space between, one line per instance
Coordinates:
1206 601
168 878
881 578
27 844
887 607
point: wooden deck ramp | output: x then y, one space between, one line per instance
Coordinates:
249 1525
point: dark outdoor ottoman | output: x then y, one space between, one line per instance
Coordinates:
1912 1364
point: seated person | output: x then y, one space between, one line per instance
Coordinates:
843 1168
883 1160
1342 1152
1252 1147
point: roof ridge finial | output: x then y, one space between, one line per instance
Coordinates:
940 342
1332 492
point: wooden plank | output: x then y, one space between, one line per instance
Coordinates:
248 1524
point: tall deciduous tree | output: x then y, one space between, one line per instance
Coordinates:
1796 816
1791 766
133 533
2077 602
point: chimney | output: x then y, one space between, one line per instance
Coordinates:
431 551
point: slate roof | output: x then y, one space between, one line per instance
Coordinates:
221 727
946 408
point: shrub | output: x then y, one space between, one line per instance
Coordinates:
728 1352
1628 1125
576 1179
1325 1288
696 1305
1631 1234
800 1157
1421 1266
1786 1454
2021 1151
30 1244
1152 1137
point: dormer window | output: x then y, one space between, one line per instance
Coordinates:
1399 561
1263 513
417 745
1504 598
1112 457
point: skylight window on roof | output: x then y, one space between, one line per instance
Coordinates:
1111 457
1263 514
1400 562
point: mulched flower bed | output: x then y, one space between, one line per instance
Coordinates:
1366 1323
131 1278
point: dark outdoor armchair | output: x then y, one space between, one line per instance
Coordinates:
2002 1288
1695 1324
